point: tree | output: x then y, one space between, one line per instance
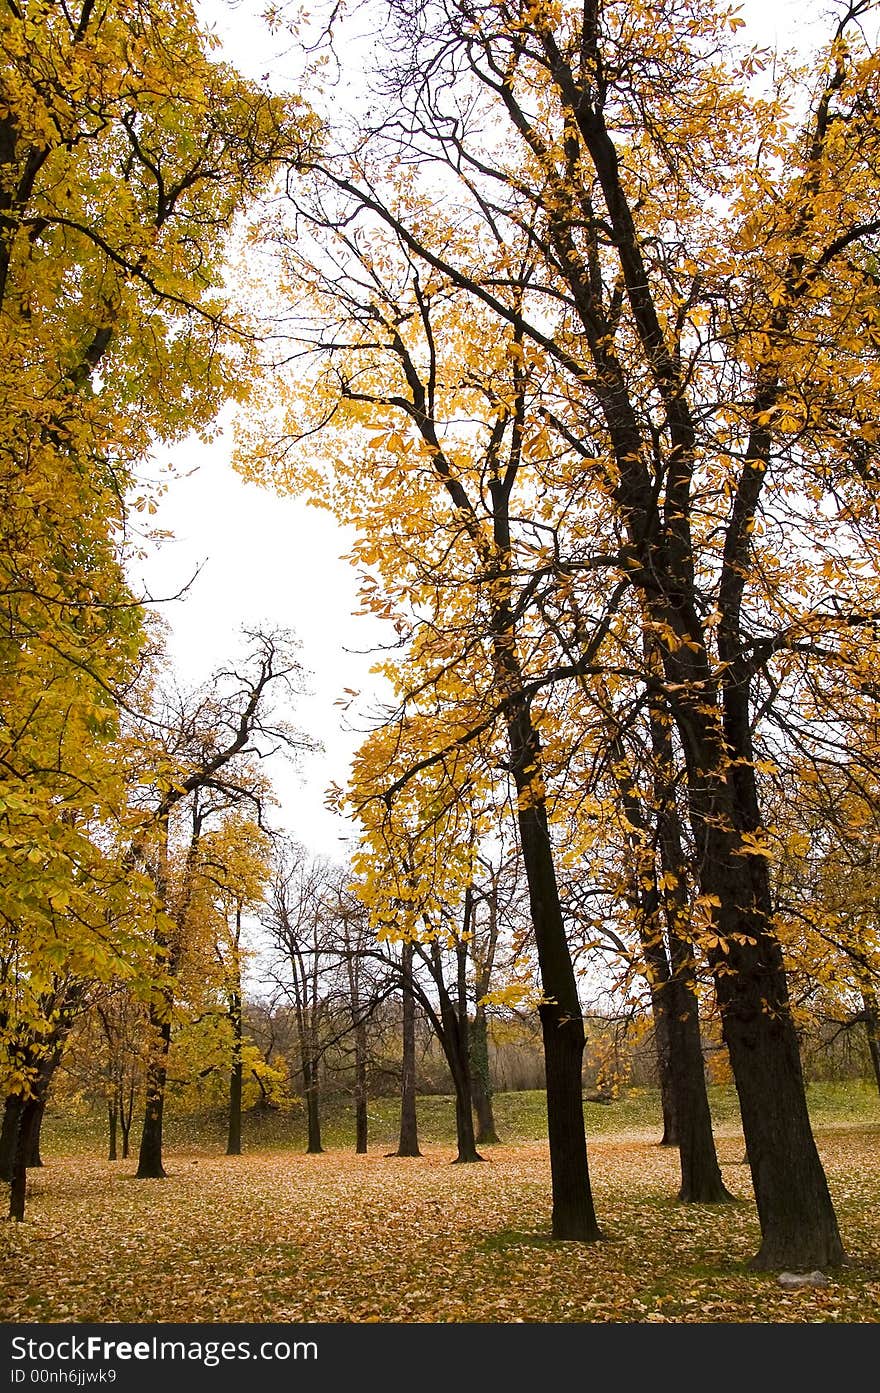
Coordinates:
703 294
296 915
119 182
201 771
234 870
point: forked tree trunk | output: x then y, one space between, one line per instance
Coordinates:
408 1144
701 1181
662 908
454 1040
676 1016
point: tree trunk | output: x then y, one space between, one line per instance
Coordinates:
701 1181
872 1028
464 1121
9 1135
562 1023
663 1047
126 1112
458 1026
34 1159
233 1143
313 1107
481 1083
677 1024
28 1120
669 956
798 1224
408 1144
360 1088
454 1039
112 1119
150 1165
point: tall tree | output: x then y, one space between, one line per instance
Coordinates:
703 292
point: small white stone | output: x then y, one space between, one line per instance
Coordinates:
803 1279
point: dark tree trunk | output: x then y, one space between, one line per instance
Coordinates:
360 1087
9 1135
27 1142
481 1083
112 1120
460 1039
408 1144
562 1023
233 1142
150 1165
872 1028
28 1120
126 1112
464 1121
313 1107
663 1047
798 1224
34 1159
454 1039
663 909
677 1022
701 1181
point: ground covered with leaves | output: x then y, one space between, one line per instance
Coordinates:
276 1235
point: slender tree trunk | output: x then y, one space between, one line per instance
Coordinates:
360 1087
150 1165
481 1084
126 1112
233 1143
872 1029
112 1120
9 1135
562 1023
663 1047
460 1039
454 1039
671 966
313 1107
408 1144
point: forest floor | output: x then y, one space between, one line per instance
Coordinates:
276 1235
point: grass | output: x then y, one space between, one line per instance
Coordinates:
276 1235
520 1117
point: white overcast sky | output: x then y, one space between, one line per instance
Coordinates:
268 560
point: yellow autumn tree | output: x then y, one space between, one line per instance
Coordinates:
126 152
687 269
